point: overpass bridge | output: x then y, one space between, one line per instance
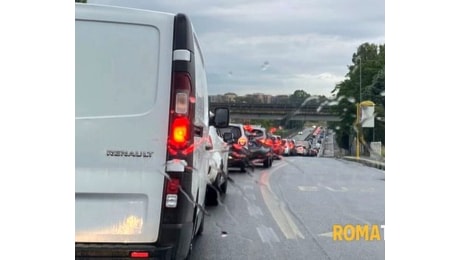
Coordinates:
280 112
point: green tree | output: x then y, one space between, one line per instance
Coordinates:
298 97
364 81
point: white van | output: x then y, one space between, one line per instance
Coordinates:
141 115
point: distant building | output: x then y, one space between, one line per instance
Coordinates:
280 99
229 97
216 98
268 99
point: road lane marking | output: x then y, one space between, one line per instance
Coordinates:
327 234
308 188
342 189
267 235
247 187
278 211
254 211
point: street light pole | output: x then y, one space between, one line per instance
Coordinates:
360 79
357 131
357 110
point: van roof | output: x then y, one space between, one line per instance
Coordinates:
116 8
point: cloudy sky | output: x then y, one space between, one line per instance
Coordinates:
276 46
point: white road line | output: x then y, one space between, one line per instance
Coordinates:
328 234
308 188
254 211
247 187
342 189
267 235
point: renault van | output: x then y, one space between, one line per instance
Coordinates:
141 118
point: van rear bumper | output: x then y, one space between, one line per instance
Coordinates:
120 251
175 243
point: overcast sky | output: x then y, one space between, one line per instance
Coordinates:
276 46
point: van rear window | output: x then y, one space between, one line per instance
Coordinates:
232 129
116 68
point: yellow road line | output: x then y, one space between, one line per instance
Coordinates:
278 211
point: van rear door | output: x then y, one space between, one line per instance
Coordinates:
121 122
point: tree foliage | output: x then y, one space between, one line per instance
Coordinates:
298 97
365 80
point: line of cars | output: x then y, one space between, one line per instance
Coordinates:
243 146
306 146
148 154
311 145
252 146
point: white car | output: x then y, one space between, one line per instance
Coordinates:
286 148
218 167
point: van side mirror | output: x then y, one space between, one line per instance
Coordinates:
221 117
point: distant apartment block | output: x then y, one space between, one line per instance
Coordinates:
258 98
280 99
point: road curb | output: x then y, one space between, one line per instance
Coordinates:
367 162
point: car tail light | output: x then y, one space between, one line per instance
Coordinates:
269 141
242 141
180 131
172 190
182 87
248 128
139 254
181 103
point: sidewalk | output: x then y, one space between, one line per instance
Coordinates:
329 149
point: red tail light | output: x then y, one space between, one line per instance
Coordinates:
180 131
172 190
248 128
172 187
269 142
139 254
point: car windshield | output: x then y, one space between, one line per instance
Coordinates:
307 80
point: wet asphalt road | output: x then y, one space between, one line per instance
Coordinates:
288 211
